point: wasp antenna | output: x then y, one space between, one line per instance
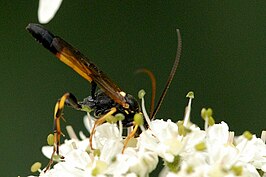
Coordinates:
172 74
153 86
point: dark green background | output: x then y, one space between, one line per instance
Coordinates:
223 62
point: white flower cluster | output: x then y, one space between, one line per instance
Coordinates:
185 149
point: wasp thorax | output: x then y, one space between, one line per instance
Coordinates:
134 106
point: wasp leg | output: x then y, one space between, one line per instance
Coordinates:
131 135
100 121
67 99
70 100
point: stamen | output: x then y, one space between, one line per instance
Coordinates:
88 122
190 95
206 115
36 167
190 169
129 130
200 146
138 119
82 135
74 145
237 170
231 137
174 166
71 132
120 117
206 123
263 136
142 128
120 124
110 119
50 139
100 166
141 96
248 135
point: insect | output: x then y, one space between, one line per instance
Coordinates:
108 100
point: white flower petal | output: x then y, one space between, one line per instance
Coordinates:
141 162
88 121
119 166
104 133
218 134
110 149
47 9
47 151
164 129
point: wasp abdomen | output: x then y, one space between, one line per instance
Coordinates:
42 35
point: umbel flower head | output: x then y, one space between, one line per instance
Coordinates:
185 149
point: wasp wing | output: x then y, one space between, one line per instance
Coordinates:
77 61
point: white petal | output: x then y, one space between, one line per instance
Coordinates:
218 134
47 151
78 159
119 166
110 149
88 121
47 9
164 129
104 133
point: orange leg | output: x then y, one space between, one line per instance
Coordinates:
131 135
100 121
70 100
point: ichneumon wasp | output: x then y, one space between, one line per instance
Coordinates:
108 100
